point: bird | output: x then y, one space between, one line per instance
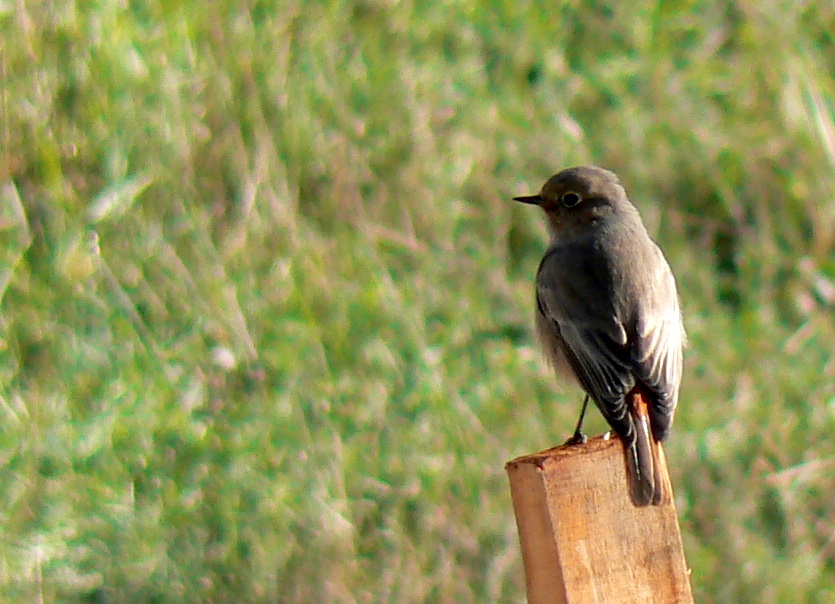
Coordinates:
608 315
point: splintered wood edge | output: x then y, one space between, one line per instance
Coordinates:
594 445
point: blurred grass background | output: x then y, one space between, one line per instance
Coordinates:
265 303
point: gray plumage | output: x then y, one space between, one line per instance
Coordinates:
607 313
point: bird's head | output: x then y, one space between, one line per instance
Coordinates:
577 196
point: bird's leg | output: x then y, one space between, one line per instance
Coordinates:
579 438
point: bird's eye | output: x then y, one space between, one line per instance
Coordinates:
570 200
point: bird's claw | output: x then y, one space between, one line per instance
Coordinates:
578 439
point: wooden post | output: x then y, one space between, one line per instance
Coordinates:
583 541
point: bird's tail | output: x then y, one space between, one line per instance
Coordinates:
643 455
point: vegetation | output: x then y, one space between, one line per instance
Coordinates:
266 305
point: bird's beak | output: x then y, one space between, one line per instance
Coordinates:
532 199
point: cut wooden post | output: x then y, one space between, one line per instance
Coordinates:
583 541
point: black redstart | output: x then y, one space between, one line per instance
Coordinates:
607 312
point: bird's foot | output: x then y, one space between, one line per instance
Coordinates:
577 439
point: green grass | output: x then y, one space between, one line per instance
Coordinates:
265 303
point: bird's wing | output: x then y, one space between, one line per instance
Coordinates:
656 349
595 349
602 367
